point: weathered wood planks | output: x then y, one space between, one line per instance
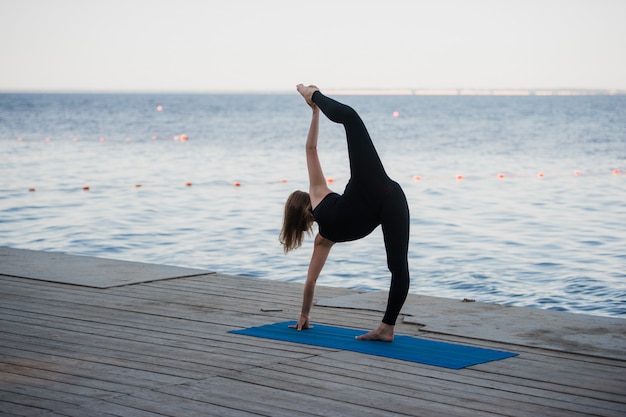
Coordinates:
162 348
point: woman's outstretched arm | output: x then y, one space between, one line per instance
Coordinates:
318 189
321 249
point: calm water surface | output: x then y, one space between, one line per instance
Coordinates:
554 242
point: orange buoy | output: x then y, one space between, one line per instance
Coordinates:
283 180
541 175
459 177
330 180
396 113
159 108
188 184
237 184
501 176
417 178
577 172
86 188
183 138
616 172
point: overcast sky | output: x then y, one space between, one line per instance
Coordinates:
270 45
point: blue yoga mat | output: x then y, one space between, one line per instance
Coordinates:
407 348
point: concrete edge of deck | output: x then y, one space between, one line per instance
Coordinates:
88 271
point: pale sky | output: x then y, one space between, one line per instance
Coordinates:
271 45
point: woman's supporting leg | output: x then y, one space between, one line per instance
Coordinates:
365 165
395 225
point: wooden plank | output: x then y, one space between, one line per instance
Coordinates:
43 397
162 348
355 395
13 406
211 340
176 308
125 303
266 399
175 405
42 402
474 376
432 383
220 361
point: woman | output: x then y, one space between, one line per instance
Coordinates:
370 199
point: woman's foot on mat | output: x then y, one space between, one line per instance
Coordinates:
383 333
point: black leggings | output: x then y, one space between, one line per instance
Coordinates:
370 199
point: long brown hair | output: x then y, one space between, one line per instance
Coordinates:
297 221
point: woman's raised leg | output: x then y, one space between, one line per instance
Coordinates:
365 165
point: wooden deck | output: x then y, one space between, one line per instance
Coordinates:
162 349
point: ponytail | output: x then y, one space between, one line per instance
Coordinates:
297 220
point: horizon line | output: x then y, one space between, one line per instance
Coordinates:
358 91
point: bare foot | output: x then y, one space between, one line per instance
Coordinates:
307 93
383 333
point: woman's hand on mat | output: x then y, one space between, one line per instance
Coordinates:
303 323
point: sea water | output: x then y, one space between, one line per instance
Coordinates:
514 200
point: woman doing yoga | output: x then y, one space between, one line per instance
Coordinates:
370 199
